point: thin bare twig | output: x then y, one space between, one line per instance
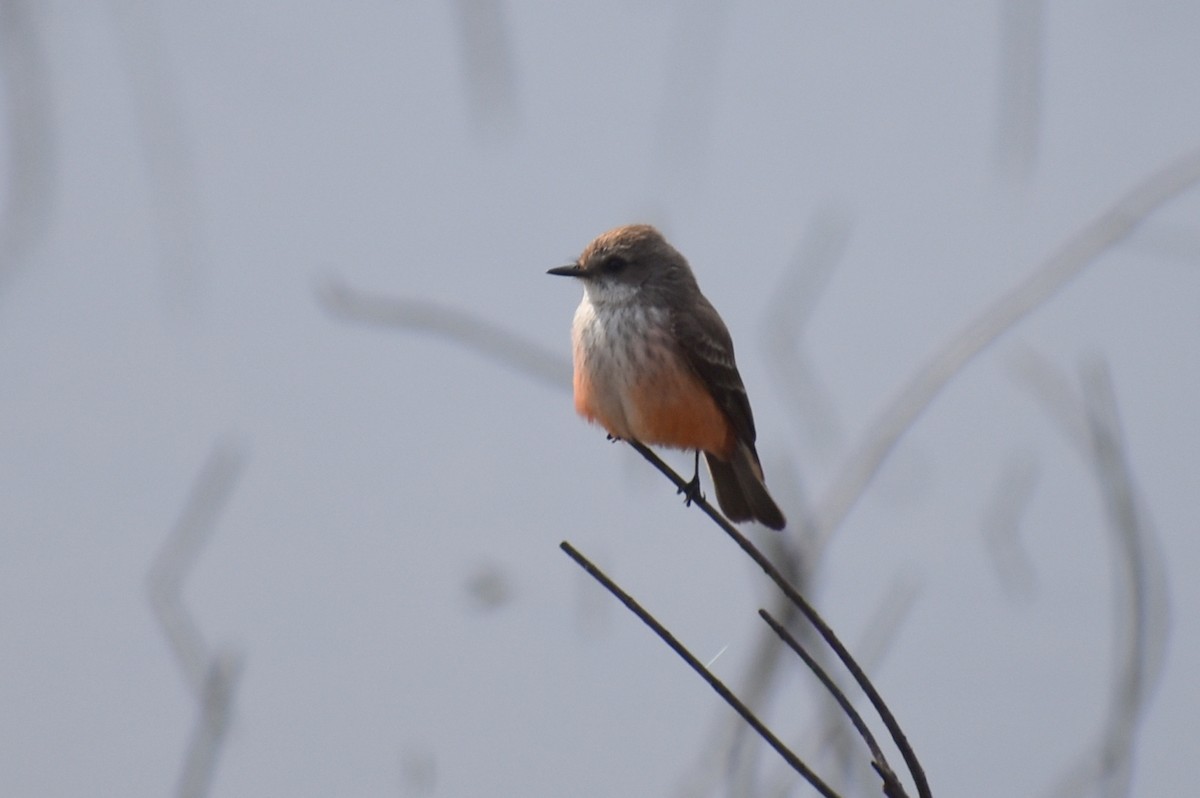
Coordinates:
877 637
813 617
793 301
790 554
891 785
1080 250
700 668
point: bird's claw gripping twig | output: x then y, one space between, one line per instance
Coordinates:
691 491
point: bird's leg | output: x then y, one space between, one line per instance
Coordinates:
612 438
691 491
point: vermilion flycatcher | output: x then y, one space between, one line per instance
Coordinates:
654 363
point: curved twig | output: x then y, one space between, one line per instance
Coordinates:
878 636
1092 424
696 665
826 632
1079 251
892 785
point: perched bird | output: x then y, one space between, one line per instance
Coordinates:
654 364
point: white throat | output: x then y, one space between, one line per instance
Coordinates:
607 293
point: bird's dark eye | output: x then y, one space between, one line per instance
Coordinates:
614 264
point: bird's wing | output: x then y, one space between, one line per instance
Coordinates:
708 348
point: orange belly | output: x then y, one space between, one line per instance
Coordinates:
669 406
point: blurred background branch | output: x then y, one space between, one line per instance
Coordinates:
489 66
1079 251
27 199
1019 110
458 326
1090 422
157 158
211 674
167 153
792 303
1002 527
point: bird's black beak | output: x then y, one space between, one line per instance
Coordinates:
570 270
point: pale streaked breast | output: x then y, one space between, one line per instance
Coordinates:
615 345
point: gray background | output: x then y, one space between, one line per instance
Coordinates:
182 180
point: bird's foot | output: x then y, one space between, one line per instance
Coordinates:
613 438
691 491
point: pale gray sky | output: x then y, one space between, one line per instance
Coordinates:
180 179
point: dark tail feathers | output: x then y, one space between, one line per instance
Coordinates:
740 489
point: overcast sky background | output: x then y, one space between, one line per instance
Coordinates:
179 182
